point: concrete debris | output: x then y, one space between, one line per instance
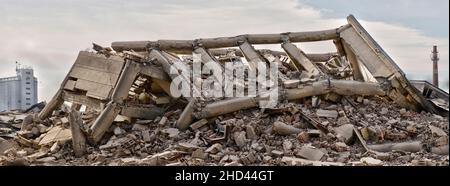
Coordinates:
163 121
340 147
137 127
251 134
6 145
56 134
199 153
277 153
425 162
303 137
310 153
199 124
171 132
345 131
437 131
240 139
330 112
384 111
213 149
441 141
287 145
233 163
146 136
55 147
22 153
441 150
292 161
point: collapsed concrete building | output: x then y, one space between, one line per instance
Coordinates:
131 80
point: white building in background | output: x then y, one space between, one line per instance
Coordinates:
18 92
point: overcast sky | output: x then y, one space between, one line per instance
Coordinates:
48 34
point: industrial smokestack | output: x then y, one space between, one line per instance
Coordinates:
435 59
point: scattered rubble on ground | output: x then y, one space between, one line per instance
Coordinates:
333 113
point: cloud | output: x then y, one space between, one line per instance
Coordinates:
47 35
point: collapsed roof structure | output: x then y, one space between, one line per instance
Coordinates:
132 79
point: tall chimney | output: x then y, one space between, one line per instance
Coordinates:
435 59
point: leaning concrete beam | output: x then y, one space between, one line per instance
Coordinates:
252 56
142 112
186 117
54 103
299 58
205 55
222 42
104 121
353 60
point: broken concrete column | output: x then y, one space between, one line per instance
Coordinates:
414 146
78 138
342 87
253 57
299 58
104 121
353 60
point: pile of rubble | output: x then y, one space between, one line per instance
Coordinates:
370 132
116 107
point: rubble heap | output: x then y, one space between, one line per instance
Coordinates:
353 107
